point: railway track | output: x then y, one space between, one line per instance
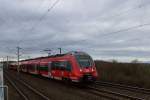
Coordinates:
132 93
108 94
125 87
64 84
25 90
113 95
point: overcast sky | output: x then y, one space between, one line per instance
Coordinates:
98 27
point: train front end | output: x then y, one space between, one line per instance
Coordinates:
85 67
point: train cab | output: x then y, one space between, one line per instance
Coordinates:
84 67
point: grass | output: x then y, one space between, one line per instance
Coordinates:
136 74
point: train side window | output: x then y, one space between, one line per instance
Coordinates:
53 67
68 67
58 65
61 65
44 67
32 67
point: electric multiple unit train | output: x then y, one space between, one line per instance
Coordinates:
73 66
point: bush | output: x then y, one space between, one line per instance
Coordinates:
136 74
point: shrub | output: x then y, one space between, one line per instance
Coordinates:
136 74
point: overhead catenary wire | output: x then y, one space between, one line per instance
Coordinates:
124 30
129 28
37 8
44 15
139 6
128 10
107 34
23 26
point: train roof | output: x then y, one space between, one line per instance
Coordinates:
52 56
57 55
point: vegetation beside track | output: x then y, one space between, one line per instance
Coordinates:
135 74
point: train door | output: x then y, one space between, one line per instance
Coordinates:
66 70
23 67
49 69
33 68
36 68
62 69
44 69
56 69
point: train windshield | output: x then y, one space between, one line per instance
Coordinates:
84 60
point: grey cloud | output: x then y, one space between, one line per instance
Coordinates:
75 25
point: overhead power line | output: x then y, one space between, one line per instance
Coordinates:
128 10
43 16
124 30
130 28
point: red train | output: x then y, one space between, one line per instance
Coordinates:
72 66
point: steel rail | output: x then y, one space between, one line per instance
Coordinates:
115 93
17 89
31 88
91 91
125 87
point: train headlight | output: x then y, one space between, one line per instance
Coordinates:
93 70
81 70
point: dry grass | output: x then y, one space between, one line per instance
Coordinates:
135 74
